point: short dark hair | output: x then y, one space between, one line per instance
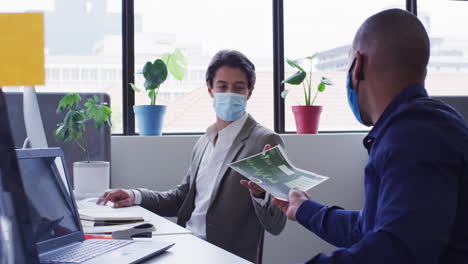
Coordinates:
234 59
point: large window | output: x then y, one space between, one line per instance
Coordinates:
83 47
84 51
326 28
446 23
200 29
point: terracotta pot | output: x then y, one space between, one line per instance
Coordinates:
307 118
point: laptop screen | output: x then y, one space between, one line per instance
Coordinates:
50 205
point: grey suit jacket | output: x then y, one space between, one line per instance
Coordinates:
234 221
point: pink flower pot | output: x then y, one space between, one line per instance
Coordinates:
307 118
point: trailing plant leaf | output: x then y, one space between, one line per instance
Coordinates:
73 127
59 132
321 87
311 57
165 57
134 87
294 64
98 112
326 81
68 101
146 69
176 64
301 76
296 78
155 74
150 85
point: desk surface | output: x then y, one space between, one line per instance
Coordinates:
187 249
163 226
190 249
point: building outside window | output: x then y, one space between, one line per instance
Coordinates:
446 23
200 35
81 37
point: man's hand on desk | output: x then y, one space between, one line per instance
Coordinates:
120 198
290 207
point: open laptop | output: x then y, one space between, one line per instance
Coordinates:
56 226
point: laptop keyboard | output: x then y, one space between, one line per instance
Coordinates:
87 250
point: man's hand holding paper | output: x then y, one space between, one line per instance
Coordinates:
290 207
255 190
271 171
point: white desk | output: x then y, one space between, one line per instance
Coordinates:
187 248
163 226
190 249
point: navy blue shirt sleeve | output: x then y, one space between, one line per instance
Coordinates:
322 221
417 177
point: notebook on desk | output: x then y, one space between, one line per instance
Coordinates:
56 225
111 216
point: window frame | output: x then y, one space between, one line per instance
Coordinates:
128 68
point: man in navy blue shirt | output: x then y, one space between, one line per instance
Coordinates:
416 179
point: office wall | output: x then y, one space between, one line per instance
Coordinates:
160 163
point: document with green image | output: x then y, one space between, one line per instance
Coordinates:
272 171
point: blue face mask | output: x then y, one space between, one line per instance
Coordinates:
353 98
229 106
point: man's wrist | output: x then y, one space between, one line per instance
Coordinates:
259 196
261 201
307 211
137 196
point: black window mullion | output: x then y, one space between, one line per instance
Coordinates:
128 66
278 66
411 6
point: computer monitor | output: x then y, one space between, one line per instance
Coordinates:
33 119
16 241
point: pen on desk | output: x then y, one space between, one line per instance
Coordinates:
91 236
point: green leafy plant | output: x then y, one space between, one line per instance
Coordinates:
305 78
155 73
73 127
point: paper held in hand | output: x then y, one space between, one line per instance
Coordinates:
272 171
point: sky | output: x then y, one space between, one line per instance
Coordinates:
310 26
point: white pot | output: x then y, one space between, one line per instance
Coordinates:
91 177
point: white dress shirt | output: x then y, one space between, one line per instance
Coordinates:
210 166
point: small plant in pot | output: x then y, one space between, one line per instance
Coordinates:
150 117
307 116
88 176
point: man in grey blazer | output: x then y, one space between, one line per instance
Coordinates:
213 201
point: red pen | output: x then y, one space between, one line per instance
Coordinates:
91 236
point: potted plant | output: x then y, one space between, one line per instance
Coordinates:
307 116
150 117
88 176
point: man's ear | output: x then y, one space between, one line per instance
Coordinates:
210 89
358 67
250 92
